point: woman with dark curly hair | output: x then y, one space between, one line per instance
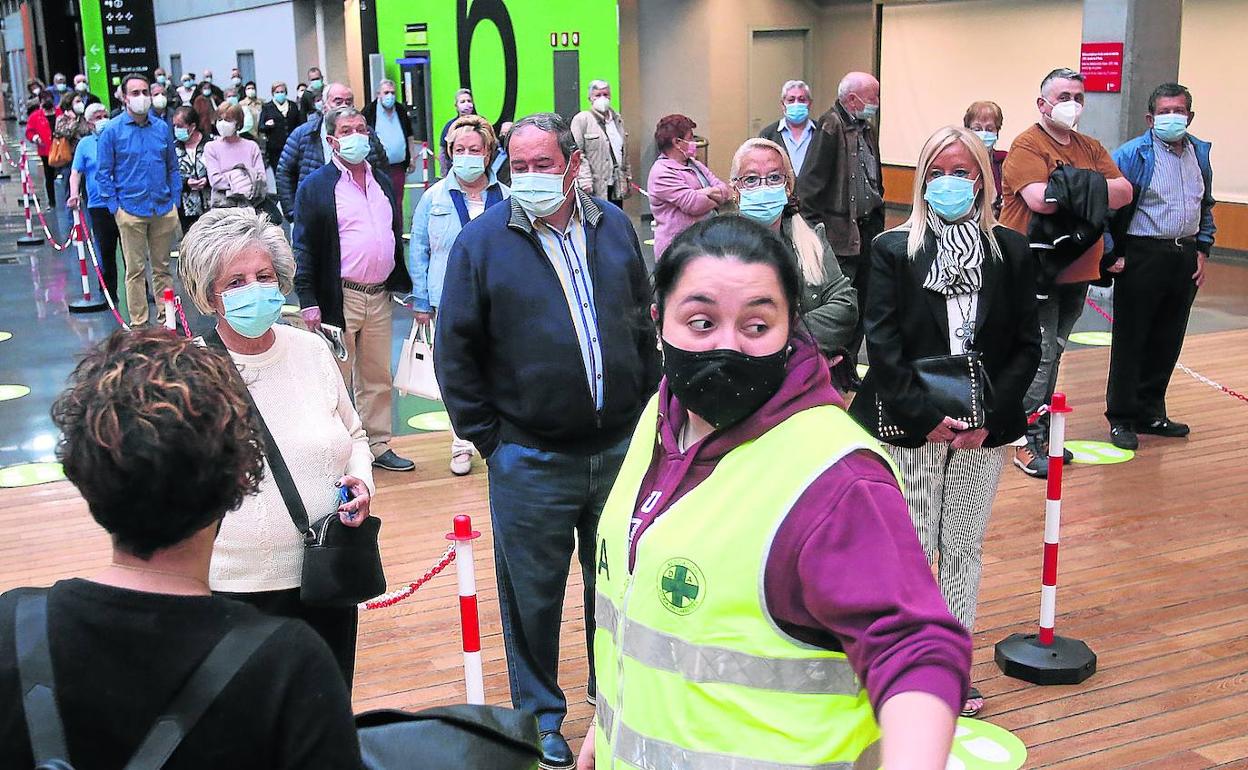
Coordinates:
158 437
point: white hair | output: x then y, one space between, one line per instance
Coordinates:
852 82
595 85
387 82
219 236
94 108
791 84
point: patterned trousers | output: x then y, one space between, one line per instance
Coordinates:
950 493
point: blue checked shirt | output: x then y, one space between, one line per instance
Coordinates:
1170 207
567 254
137 167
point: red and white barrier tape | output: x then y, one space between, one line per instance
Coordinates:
394 597
1180 365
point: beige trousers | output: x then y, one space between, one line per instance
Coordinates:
145 239
367 368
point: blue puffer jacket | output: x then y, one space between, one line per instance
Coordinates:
303 154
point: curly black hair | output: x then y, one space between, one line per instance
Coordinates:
158 436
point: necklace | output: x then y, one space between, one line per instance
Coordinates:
149 571
966 330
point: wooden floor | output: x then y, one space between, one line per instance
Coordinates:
1154 576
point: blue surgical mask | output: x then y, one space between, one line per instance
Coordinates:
316 83
280 97
540 195
468 167
162 79
763 204
797 112
353 148
989 138
181 134
1170 127
252 310
951 197
868 111
387 101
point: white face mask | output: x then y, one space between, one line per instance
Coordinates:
139 105
602 104
1067 114
160 101
226 128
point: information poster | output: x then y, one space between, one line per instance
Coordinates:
119 37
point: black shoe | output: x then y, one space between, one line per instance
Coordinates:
1068 456
556 753
1163 427
391 462
1123 437
1031 460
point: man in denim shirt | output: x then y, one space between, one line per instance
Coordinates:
137 178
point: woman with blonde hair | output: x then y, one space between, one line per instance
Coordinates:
763 180
458 198
950 281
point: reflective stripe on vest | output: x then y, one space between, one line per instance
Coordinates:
640 751
704 663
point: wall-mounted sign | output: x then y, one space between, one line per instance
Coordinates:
119 37
1101 66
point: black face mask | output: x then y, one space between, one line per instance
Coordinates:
721 386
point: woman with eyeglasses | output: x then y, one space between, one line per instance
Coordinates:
763 181
682 189
946 282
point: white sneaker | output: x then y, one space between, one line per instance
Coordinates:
461 463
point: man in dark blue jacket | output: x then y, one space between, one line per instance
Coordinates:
307 149
545 355
1162 242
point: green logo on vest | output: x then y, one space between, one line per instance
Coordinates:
681 586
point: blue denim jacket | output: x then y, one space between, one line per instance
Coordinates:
435 226
1135 160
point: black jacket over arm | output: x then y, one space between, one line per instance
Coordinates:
905 322
318 275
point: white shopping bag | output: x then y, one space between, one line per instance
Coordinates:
415 375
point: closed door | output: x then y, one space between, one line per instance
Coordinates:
776 56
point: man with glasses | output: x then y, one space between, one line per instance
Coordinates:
308 148
1034 154
348 245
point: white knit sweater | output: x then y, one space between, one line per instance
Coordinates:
299 391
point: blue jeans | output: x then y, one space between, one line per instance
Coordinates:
541 504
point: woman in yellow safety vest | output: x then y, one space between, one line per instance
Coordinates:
762 599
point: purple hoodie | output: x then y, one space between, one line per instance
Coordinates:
845 571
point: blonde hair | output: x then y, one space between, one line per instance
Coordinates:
806 242
916 225
220 235
472 124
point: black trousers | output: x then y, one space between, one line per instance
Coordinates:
336 625
104 230
49 181
857 268
1153 298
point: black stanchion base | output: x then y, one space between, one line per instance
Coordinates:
30 240
87 305
1066 661
5 176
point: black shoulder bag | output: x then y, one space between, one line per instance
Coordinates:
341 564
184 710
449 738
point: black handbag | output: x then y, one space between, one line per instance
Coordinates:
341 565
463 737
957 385
43 717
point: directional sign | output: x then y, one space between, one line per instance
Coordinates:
119 37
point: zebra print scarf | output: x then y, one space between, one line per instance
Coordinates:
958 266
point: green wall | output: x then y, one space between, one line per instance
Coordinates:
533 21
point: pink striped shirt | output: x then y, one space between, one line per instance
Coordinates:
365 227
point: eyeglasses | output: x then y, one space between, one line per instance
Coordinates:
754 181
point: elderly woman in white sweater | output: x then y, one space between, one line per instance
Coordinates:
238 266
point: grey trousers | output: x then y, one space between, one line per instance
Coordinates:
1058 314
950 494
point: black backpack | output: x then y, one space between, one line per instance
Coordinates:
43 718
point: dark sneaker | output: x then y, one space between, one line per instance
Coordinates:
1067 456
556 753
1123 437
1031 461
1163 427
391 462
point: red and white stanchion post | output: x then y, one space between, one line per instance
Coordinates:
171 312
1046 658
4 159
424 165
89 303
470 627
29 239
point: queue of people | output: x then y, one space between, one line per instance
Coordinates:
617 411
